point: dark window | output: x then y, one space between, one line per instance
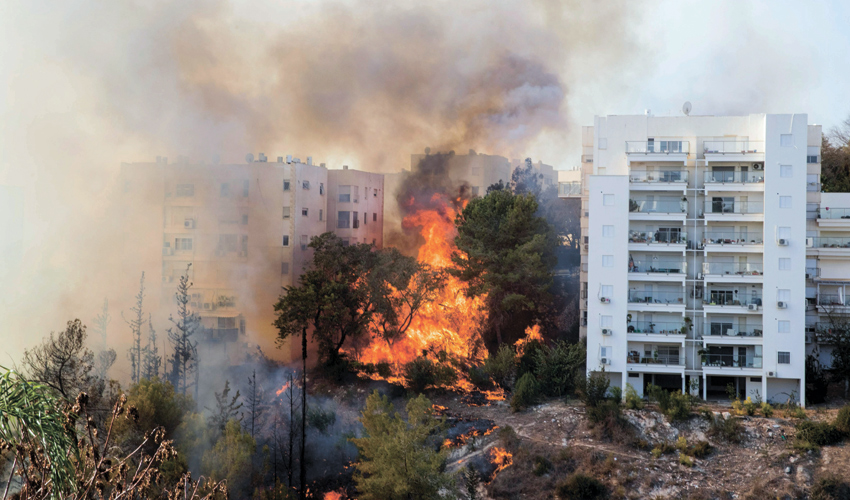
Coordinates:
286 240
344 194
343 220
305 185
784 358
356 220
375 217
321 214
304 211
812 159
365 218
304 241
286 185
321 188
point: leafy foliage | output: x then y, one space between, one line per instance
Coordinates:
818 433
526 392
226 408
835 160
62 362
398 458
594 390
157 406
501 366
558 366
581 487
633 401
230 458
422 372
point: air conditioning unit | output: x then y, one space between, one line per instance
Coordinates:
810 242
783 242
189 224
605 361
699 276
752 307
605 300
606 331
782 305
769 374
758 166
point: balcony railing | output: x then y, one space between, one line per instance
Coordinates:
837 242
732 238
658 206
657 266
731 299
813 187
661 359
732 147
659 328
569 188
660 297
828 299
731 361
739 268
812 272
658 176
734 177
661 236
834 213
734 207
657 147
725 330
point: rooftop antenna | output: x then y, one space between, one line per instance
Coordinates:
686 108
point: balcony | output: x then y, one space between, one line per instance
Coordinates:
728 210
662 239
838 246
724 333
652 209
733 272
812 273
661 363
731 361
733 150
657 147
733 241
834 218
661 300
658 180
569 189
665 328
732 303
734 181
654 269
831 299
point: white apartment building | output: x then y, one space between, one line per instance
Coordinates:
694 262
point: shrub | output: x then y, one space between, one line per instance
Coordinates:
660 396
594 389
528 359
320 419
682 444
830 487
842 420
558 366
419 374
728 429
581 487
701 449
384 369
633 401
479 377
525 393
676 406
766 409
662 448
685 460
818 433
542 465
508 438
502 366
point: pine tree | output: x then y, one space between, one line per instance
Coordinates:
184 358
101 322
226 408
152 361
135 324
257 405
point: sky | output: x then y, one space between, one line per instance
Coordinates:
89 84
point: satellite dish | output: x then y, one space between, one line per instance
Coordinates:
686 108
249 158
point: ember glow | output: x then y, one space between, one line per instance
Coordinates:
333 495
282 389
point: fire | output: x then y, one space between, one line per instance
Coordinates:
452 322
282 389
502 458
333 495
532 333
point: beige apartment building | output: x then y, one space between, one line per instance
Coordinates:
244 228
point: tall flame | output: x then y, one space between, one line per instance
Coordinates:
502 458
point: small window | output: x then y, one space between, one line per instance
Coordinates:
375 217
605 352
285 212
321 188
783 295
786 140
375 193
184 190
286 240
784 202
474 190
344 194
374 241
305 211
603 143
183 244
784 264
608 200
365 218
284 268
321 215
305 185
786 171
634 375
812 159
356 219
784 358
225 190
606 321
244 219
607 261
607 231
783 326
607 291
245 185
286 185
304 241
755 380
343 220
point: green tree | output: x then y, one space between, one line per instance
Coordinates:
506 252
158 405
230 459
226 408
835 332
397 457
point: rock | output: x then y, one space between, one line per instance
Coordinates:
788 470
792 459
726 415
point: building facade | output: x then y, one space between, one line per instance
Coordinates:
695 238
245 230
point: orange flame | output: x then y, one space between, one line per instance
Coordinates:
333 495
282 389
532 333
502 458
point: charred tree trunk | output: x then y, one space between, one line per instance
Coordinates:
303 464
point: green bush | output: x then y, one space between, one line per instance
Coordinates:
685 460
701 449
479 377
384 369
842 420
660 396
528 360
728 429
662 448
830 487
581 487
766 409
676 406
525 393
633 401
502 367
818 433
419 374
558 367
595 389
542 465
320 419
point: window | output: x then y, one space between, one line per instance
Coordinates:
607 231
286 185
607 291
344 194
245 185
783 295
226 243
784 358
607 261
784 202
606 321
184 244
346 242
305 211
225 190
244 220
783 326
284 268
786 140
474 190
374 241
286 240
343 220
784 264
356 219
812 159
786 171
184 190
375 217
321 215
608 200
304 241
755 379
305 184
285 212
321 188
603 143
365 218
